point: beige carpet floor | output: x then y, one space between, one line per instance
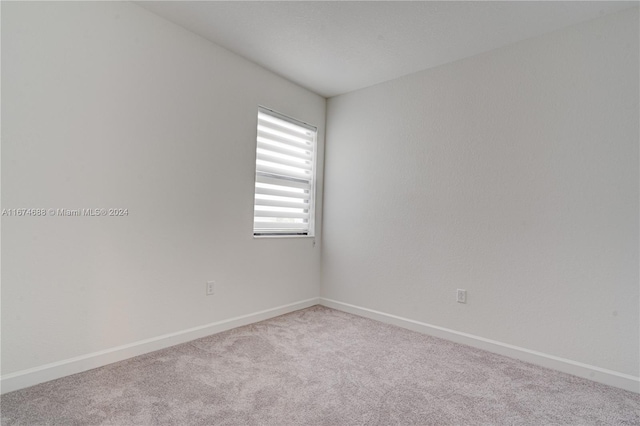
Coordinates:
319 366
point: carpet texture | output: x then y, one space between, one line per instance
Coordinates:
319 366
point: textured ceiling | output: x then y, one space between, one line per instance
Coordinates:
339 46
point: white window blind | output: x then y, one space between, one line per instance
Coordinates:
285 176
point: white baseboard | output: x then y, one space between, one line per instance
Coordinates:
597 374
56 370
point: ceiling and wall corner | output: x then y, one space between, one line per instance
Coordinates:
336 47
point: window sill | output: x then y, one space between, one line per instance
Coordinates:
261 237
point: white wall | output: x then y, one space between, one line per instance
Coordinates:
513 175
107 105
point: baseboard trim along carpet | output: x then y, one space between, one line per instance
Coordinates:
33 376
597 374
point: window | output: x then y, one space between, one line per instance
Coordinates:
285 176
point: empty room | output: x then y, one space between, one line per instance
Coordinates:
320 213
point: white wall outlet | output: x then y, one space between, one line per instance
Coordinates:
461 296
210 287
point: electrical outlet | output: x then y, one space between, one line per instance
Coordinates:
210 287
461 296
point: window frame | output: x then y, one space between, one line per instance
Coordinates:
313 179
